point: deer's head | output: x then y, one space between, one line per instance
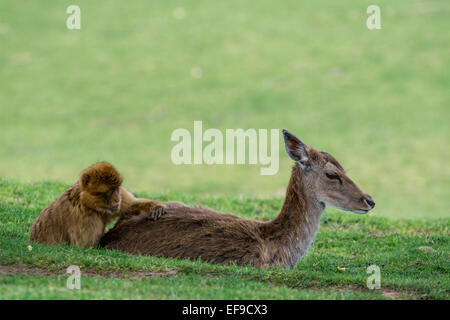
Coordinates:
325 179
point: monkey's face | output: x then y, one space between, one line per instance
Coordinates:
102 199
100 188
109 200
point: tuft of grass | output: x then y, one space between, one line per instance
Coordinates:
334 268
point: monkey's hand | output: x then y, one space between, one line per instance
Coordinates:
154 209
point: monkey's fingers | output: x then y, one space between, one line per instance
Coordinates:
157 211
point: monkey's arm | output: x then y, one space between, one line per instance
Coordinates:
132 205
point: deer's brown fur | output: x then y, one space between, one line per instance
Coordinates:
201 233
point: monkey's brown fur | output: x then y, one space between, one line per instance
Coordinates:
80 214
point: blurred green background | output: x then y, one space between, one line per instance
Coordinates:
116 89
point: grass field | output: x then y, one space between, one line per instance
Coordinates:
378 100
116 89
334 268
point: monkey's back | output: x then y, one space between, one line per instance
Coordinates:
50 227
64 222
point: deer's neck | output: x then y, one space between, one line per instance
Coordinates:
291 233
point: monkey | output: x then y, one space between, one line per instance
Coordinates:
79 216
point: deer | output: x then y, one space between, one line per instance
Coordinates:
193 232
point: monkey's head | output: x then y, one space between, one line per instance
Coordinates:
100 188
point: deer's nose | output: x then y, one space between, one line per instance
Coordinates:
371 203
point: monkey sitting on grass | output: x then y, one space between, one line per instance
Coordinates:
80 214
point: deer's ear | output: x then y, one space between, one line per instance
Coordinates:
296 149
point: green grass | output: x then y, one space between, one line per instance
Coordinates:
116 89
344 240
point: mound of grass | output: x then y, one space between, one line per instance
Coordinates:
334 268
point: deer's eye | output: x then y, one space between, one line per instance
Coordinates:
333 176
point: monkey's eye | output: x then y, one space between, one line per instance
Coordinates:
333 176
103 195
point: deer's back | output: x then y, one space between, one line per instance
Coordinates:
189 232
